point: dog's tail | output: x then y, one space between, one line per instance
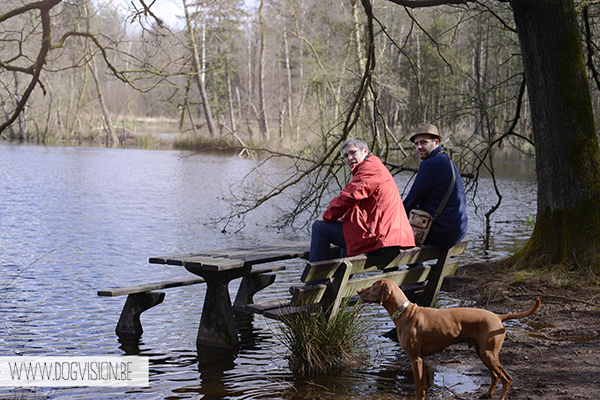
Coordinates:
523 314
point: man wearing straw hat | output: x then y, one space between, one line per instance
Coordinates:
431 185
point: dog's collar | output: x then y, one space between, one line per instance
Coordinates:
400 310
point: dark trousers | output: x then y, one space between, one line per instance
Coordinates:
323 235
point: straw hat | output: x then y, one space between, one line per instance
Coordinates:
426 129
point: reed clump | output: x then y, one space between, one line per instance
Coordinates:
325 346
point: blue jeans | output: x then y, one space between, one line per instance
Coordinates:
323 235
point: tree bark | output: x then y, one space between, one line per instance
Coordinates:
262 120
198 72
230 99
105 113
567 230
184 106
76 125
288 71
6 116
94 71
249 90
22 118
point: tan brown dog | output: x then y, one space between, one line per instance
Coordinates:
423 331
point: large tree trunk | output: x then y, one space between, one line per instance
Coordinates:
567 230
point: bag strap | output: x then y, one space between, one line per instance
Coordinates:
448 192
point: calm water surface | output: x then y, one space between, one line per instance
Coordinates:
75 220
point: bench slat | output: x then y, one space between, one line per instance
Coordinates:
259 308
174 283
149 287
278 313
404 277
308 294
365 263
264 270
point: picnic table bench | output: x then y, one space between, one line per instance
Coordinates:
338 278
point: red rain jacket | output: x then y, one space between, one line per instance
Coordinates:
371 209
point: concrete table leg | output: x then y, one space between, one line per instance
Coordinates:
250 285
217 324
129 322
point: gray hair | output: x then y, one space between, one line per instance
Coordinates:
358 142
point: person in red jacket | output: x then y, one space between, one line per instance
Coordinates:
367 215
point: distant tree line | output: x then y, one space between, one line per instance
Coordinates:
282 73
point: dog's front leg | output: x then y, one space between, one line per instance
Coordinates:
419 375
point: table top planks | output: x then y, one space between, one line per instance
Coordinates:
221 260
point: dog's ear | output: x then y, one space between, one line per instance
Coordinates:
385 292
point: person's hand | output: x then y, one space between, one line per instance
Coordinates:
320 218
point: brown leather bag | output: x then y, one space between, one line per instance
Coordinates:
421 222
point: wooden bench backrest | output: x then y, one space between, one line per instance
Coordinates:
303 295
345 273
362 263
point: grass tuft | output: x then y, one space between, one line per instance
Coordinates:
322 346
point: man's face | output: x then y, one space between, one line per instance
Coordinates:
353 155
425 144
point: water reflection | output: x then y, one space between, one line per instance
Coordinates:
249 335
130 344
74 220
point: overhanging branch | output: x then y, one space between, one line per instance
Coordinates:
44 7
428 3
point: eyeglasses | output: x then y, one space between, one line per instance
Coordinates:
351 153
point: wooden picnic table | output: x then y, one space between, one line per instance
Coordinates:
218 268
323 284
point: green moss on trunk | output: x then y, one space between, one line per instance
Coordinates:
568 239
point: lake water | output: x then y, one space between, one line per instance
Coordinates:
75 220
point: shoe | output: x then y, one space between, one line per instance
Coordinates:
392 335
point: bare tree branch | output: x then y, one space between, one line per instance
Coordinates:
44 8
428 3
590 46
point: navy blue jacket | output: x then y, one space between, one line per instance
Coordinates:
427 192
